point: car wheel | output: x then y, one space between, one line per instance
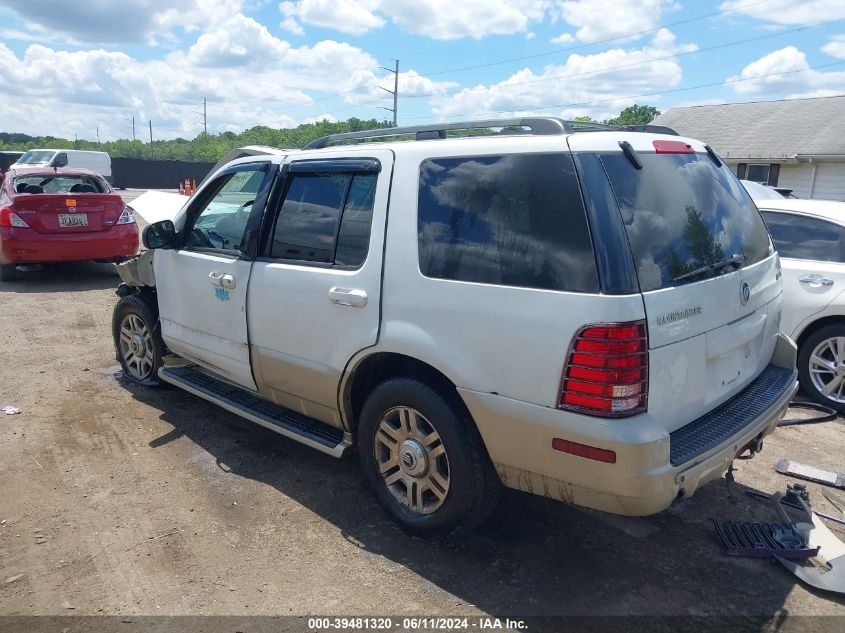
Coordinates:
821 366
137 340
425 460
8 272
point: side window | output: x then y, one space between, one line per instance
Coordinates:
515 220
325 218
222 222
800 237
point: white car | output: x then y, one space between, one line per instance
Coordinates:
583 312
810 238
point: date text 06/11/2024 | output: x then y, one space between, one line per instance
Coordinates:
421 623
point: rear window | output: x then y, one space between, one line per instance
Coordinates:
35 157
682 213
62 184
515 220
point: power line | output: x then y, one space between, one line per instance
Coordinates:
647 94
616 38
597 42
631 65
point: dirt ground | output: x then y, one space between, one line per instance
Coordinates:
117 499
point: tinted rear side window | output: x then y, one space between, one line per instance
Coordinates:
514 220
682 213
806 238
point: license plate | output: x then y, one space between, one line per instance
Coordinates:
73 219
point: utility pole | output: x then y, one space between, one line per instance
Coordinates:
151 138
133 127
98 136
204 116
394 92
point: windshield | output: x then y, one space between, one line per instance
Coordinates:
686 218
59 184
36 157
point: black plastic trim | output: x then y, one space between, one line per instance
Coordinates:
731 417
339 165
617 274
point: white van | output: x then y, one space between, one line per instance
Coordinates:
95 161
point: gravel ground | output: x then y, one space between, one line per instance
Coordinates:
118 499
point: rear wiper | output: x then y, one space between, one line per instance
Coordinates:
736 260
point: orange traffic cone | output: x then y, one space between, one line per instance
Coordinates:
188 191
181 188
193 184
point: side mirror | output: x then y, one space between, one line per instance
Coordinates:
160 235
60 160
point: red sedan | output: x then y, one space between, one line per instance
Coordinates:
61 215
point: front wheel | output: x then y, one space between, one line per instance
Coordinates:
137 340
425 459
821 366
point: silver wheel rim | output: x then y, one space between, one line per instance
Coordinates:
136 346
827 368
412 460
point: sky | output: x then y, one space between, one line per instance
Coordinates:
78 69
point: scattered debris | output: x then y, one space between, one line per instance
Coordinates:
763 540
835 500
10 410
12 579
810 473
67 605
37 464
786 502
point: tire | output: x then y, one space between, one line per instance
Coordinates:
8 272
823 344
135 322
456 456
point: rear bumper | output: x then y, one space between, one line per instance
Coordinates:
27 246
647 476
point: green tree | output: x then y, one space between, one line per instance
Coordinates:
635 115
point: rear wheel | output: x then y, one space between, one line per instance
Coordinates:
137 340
8 272
425 459
821 366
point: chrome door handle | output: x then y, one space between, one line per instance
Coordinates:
816 281
221 279
348 297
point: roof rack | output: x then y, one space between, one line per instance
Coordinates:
537 126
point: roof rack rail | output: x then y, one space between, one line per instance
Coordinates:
537 126
652 129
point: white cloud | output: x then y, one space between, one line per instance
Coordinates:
240 41
604 19
788 12
367 86
138 21
786 72
836 47
606 78
348 16
438 19
563 38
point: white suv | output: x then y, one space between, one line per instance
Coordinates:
578 311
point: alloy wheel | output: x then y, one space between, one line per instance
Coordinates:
136 346
412 460
827 368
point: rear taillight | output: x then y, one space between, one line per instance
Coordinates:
9 219
606 373
126 217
